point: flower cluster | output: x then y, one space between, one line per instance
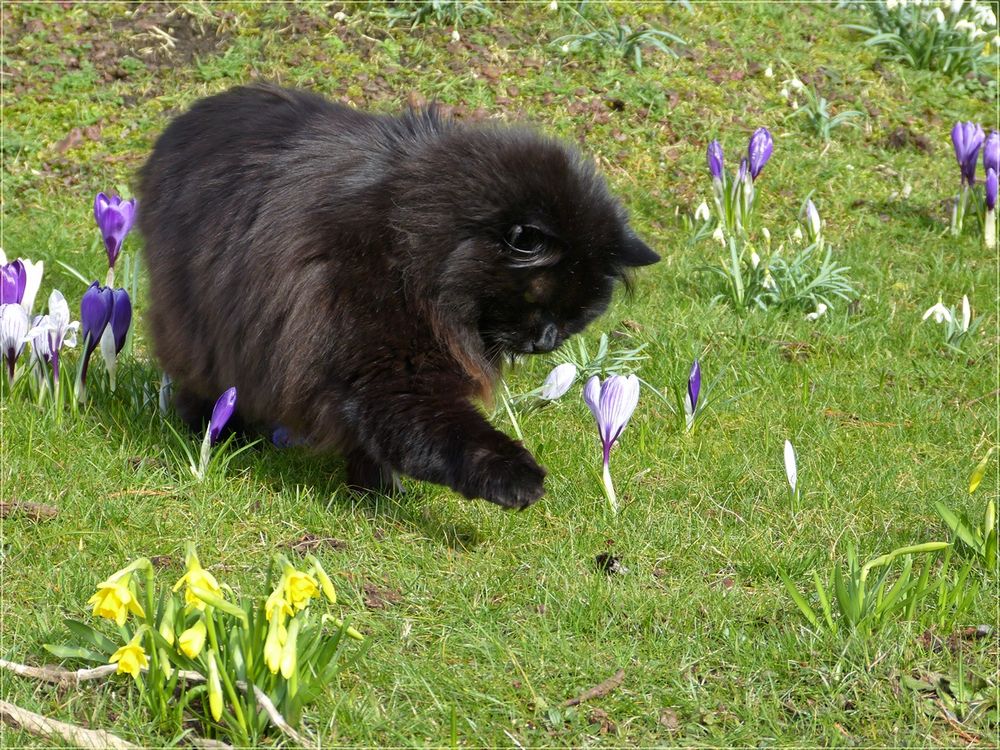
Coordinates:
273 645
968 139
105 313
735 194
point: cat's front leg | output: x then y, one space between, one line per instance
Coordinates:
448 442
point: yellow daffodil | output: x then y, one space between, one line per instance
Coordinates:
115 599
276 604
192 640
196 576
299 588
131 657
214 688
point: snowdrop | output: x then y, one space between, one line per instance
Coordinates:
819 312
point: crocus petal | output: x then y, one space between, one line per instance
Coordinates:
991 152
619 397
967 138
223 410
95 312
121 318
715 163
558 381
791 469
760 150
592 396
694 385
991 188
114 218
14 325
12 283
812 218
33 280
58 309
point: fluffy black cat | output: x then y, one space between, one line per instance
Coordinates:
360 278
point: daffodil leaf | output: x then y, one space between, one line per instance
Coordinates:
88 634
800 601
75 652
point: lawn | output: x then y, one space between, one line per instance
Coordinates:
482 625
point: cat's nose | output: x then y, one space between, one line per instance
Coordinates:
547 340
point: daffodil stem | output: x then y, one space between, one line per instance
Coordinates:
223 673
609 488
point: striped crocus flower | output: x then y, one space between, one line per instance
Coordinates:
612 403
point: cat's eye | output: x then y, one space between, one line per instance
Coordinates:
526 239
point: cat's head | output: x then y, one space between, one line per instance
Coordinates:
532 243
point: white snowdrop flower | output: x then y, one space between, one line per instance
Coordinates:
754 259
769 282
769 72
795 104
966 26
796 84
784 93
820 311
797 234
938 15
718 236
702 213
565 48
767 234
340 16
966 313
940 313
554 5
455 36
890 5
956 6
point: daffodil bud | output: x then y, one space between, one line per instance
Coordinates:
289 656
167 622
192 640
272 646
324 580
214 688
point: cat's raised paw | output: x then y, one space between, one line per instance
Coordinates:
513 479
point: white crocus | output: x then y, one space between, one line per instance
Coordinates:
966 313
558 381
791 467
702 213
52 332
940 313
820 311
14 325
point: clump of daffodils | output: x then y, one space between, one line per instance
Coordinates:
197 651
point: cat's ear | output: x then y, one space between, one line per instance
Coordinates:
634 252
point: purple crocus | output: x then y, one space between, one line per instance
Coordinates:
967 137
991 152
221 413
760 149
114 218
742 172
991 189
95 312
114 336
612 403
14 326
990 224
13 279
715 163
694 388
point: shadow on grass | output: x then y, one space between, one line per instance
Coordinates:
136 405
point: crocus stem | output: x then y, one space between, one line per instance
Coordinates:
990 229
110 280
959 215
55 376
609 488
510 413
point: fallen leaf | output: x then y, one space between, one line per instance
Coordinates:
598 690
379 598
34 511
668 719
308 542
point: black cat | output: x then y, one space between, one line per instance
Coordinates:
361 278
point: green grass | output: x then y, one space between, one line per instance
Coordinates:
503 617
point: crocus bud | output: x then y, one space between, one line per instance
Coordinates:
115 334
559 381
95 312
991 153
991 189
715 163
760 150
693 389
223 410
114 218
813 224
967 138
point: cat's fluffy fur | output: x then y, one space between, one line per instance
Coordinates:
360 278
